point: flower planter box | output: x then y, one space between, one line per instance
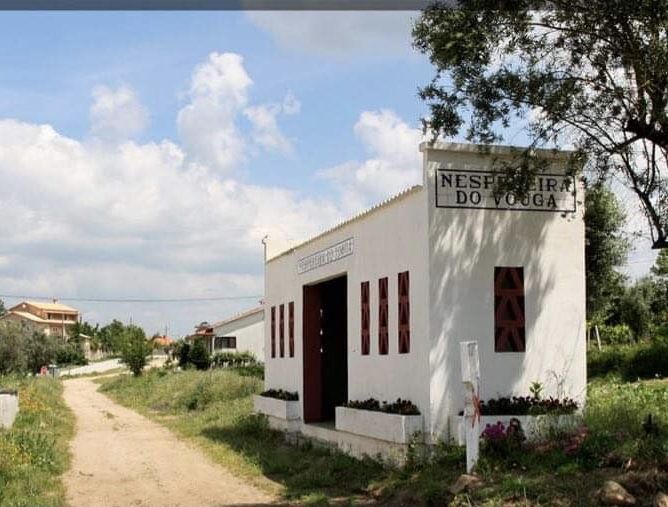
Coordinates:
9 407
380 425
534 426
281 409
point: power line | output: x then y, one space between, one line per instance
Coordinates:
135 300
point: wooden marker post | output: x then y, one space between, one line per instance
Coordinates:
471 379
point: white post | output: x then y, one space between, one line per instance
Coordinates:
471 379
598 338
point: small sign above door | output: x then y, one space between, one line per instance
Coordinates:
326 256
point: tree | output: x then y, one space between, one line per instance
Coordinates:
110 336
135 349
12 354
199 355
593 73
660 267
606 248
40 350
3 310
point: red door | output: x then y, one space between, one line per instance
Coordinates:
312 356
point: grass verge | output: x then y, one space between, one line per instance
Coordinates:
213 409
34 452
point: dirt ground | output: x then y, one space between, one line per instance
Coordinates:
120 458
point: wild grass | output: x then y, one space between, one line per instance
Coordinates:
213 409
34 452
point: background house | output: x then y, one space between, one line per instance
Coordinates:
53 319
243 332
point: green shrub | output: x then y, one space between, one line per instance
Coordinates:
199 355
619 334
135 350
182 351
648 362
233 359
70 353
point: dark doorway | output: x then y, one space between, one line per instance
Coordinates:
325 348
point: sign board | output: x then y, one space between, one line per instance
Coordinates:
326 256
459 188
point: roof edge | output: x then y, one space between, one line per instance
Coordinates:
362 214
494 149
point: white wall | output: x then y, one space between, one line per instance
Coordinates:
387 241
249 331
464 247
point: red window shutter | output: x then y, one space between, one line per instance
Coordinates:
366 318
273 331
383 340
291 328
509 317
281 329
404 314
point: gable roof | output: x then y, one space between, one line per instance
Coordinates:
50 306
239 316
377 207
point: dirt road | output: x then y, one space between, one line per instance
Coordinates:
120 458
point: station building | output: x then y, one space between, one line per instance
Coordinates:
377 306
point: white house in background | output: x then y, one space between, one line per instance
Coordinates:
52 318
377 306
243 332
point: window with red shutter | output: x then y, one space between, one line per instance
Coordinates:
509 317
383 339
365 317
404 313
291 328
273 331
281 329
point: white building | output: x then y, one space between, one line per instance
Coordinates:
376 307
243 332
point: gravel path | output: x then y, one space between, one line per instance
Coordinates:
120 458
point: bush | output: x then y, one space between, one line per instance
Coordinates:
233 359
402 407
199 356
644 360
70 353
182 351
620 334
135 349
280 394
528 405
23 350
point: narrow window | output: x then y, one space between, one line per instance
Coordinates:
383 341
404 314
365 334
281 329
291 328
509 321
273 331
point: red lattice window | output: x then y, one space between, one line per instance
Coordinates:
404 314
273 331
383 340
281 329
366 318
509 317
291 328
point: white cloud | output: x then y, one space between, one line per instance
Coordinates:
134 220
218 93
395 162
266 132
117 114
339 33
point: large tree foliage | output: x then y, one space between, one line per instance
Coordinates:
135 349
606 249
592 73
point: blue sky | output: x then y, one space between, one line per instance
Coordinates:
145 154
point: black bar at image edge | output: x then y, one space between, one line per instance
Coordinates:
218 5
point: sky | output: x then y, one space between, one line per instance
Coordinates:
144 155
